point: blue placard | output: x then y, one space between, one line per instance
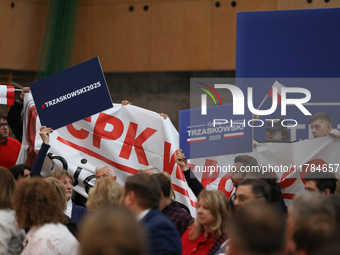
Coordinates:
71 95
200 138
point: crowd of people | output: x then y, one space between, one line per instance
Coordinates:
142 216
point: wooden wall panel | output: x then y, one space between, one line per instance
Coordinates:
83 38
172 35
121 38
22 31
224 29
181 35
131 2
85 2
303 4
35 1
105 2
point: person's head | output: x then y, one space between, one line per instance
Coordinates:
304 206
275 187
105 170
66 179
172 192
112 231
7 186
275 130
165 184
251 190
236 175
20 172
257 229
36 202
4 128
321 124
323 182
105 193
334 201
167 190
149 170
270 178
213 213
140 192
309 203
313 232
60 189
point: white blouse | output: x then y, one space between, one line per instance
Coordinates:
50 239
11 238
68 210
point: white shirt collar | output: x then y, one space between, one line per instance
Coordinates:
68 210
141 215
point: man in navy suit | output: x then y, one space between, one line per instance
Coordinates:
141 195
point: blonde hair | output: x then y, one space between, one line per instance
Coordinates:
112 231
60 174
105 193
219 206
60 188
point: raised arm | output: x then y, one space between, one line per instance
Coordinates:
39 160
14 115
193 183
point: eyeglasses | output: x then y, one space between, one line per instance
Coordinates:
3 124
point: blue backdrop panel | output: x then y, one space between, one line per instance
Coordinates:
292 43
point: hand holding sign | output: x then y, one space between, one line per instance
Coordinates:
334 133
181 160
45 134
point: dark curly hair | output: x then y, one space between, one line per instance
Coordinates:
36 202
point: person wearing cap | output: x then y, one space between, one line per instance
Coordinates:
275 131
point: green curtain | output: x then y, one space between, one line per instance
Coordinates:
57 48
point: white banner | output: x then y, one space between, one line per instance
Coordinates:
289 161
126 137
129 137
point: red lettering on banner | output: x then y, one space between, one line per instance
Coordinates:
286 182
222 183
98 156
99 129
208 177
130 141
183 192
168 163
288 196
192 166
80 134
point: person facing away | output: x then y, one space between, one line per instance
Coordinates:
37 207
141 195
170 208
